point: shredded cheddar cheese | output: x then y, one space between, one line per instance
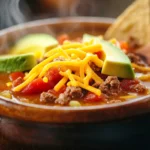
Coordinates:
128 96
25 83
60 84
94 75
9 84
72 45
74 66
145 77
141 68
45 79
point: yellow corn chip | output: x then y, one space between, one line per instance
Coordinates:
133 22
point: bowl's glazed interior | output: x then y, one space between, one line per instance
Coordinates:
56 114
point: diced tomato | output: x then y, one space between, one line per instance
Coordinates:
38 85
91 98
16 82
62 38
124 45
53 75
127 83
16 78
99 54
13 76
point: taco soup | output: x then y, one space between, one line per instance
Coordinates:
75 72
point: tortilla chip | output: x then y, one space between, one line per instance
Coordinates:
133 22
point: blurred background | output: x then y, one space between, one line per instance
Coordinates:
18 11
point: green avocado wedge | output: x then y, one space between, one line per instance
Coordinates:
37 43
116 62
14 63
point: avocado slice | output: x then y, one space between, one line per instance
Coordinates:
36 43
116 62
13 63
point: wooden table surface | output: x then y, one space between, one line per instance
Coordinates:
138 142
136 145
7 145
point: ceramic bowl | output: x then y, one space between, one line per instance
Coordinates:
54 125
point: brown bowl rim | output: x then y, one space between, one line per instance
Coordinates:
81 19
141 103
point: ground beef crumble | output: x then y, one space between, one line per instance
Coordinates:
138 88
94 67
46 97
69 94
18 81
111 86
134 58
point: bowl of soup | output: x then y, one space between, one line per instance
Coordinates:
61 81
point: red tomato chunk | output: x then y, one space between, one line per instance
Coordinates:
53 76
91 97
16 78
38 85
13 76
127 83
62 38
124 45
99 54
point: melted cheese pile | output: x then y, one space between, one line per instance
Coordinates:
74 66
